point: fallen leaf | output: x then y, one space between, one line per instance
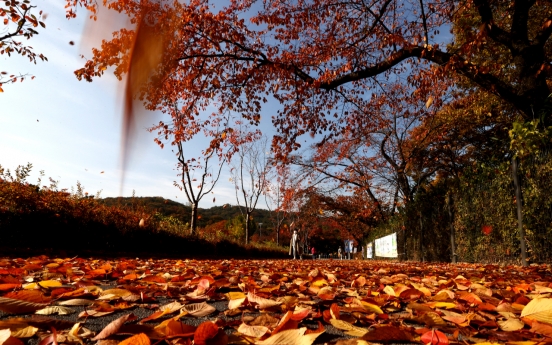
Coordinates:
262 303
4 335
511 325
371 307
291 337
209 334
199 309
539 309
252 331
17 306
26 332
94 313
235 303
114 326
55 309
541 328
43 284
434 337
387 334
348 328
77 302
138 339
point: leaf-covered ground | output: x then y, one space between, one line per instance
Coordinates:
134 301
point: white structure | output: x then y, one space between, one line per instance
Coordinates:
386 247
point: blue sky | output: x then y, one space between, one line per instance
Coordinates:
72 129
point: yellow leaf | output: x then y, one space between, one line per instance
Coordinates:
235 303
429 102
26 332
320 283
44 284
371 307
446 305
539 309
389 290
291 337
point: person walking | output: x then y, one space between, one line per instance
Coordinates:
339 254
313 252
293 244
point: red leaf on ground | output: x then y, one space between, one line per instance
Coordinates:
387 334
209 334
434 337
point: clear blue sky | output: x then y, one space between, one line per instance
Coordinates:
72 129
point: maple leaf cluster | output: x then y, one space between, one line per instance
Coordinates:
291 302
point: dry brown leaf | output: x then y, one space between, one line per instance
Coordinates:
17 306
511 325
26 332
76 302
252 331
114 326
262 303
94 313
199 309
55 309
541 328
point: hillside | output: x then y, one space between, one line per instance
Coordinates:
169 207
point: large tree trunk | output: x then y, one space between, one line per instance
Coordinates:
193 222
517 186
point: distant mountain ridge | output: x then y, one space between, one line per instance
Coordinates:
183 212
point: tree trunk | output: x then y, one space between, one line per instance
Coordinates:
421 244
193 222
247 223
452 238
517 187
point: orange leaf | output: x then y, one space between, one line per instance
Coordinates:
7 287
209 334
138 339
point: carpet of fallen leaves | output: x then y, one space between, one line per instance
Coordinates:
53 301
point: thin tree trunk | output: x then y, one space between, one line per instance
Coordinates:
193 223
452 238
247 222
517 186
